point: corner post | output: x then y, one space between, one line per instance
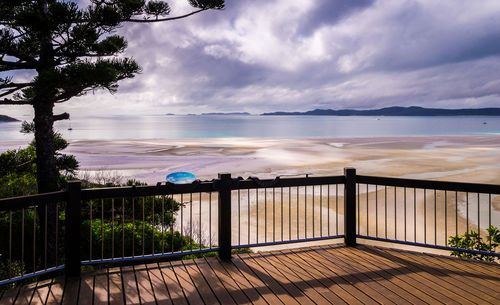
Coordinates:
225 216
73 221
350 207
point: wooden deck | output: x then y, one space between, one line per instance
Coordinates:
320 275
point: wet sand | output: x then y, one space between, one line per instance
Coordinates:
455 158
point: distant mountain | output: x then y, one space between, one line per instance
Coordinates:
396 111
226 113
4 118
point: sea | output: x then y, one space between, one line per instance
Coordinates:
249 126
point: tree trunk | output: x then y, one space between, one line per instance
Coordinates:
46 173
47 180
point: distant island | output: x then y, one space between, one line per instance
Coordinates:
396 111
4 118
226 113
215 113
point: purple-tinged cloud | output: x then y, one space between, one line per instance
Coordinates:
259 56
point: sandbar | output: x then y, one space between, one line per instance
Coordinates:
455 158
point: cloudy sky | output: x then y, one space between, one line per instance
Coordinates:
262 55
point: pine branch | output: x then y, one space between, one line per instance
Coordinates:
14 85
11 65
165 19
9 92
14 102
62 116
69 94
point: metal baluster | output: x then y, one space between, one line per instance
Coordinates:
376 210
265 215
239 218
367 221
359 213
34 238
182 221
281 213
123 227
435 218
445 218
248 216
274 216
257 214
290 213
199 226
191 220
456 213
113 228
328 199
337 209
321 210
404 193
45 232
467 200
143 237
163 224
90 232
10 243
133 227
102 228
414 214
305 211
210 218
298 231
57 234
22 239
395 216
489 214
172 223
313 215
425 217
478 217
153 225
385 201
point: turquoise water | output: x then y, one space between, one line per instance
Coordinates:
185 126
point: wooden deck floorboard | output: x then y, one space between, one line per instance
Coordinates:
320 275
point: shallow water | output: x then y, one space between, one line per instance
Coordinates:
188 126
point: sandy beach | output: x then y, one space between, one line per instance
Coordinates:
450 158
455 158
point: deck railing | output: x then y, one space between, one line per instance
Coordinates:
423 212
67 229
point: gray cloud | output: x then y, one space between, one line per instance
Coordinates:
327 13
259 55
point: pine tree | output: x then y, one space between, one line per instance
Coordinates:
71 50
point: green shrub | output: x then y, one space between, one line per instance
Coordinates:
10 269
474 241
128 239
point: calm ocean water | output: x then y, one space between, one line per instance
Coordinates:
184 126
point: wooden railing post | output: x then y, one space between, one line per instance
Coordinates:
73 221
225 216
350 207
